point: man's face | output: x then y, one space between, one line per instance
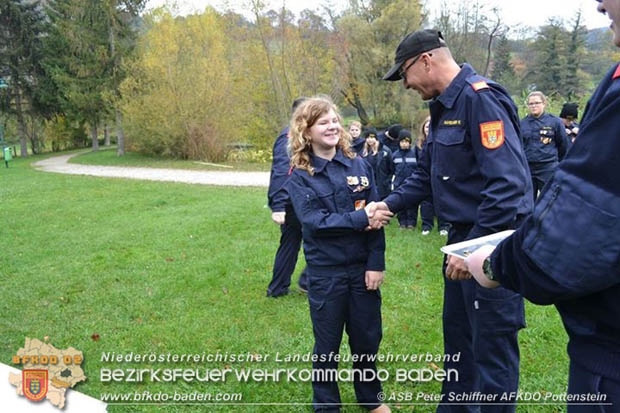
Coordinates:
535 105
415 77
612 9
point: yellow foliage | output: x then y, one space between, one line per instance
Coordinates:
177 99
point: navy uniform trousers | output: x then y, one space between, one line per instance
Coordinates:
339 300
542 172
482 325
286 256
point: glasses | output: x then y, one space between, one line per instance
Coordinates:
402 72
534 103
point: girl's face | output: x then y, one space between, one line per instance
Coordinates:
325 133
426 128
354 131
405 145
371 140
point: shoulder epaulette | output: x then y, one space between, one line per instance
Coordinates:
616 73
479 85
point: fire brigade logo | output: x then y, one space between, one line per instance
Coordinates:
34 384
492 134
48 372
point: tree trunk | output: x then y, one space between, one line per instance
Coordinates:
21 125
94 138
106 134
120 135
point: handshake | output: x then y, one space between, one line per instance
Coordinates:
378 215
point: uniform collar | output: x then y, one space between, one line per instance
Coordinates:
448 96
319 163
541 117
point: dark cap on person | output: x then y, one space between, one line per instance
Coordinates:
404 135
412 45
371 131
569 110
394 130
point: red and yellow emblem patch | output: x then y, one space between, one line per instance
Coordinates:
34 384
492 134
360 204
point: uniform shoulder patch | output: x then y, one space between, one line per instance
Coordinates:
481 84
617 72
492 134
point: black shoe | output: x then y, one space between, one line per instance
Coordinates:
282 294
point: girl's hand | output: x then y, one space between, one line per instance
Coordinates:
374 279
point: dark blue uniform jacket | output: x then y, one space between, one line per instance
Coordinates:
544 138
333 230
358 145
405 163
280 167
472 185
383 166
392 144
567 252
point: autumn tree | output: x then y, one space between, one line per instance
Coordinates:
179 98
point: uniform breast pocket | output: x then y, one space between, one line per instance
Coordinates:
452 156
574 242
358 195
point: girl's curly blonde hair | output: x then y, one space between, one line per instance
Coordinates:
304 117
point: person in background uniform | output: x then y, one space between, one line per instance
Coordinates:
357 143
544 140
389 138
331 189
427 211
379 157
567 253
282 214
405 162
475 170
569 115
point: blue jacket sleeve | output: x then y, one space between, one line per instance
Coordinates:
277 196
503 168
315 217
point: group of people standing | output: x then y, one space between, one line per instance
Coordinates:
393 157
474 167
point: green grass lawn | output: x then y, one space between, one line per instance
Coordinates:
176 268
108 157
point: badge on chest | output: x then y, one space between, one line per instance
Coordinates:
360 183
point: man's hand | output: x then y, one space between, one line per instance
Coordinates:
278 217
456 269
378 215
374 279
474 265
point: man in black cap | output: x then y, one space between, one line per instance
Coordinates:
569 115
389 138
474 168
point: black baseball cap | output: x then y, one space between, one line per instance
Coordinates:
412 45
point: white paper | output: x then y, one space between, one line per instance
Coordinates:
463 249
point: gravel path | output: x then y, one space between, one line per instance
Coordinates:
59 164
